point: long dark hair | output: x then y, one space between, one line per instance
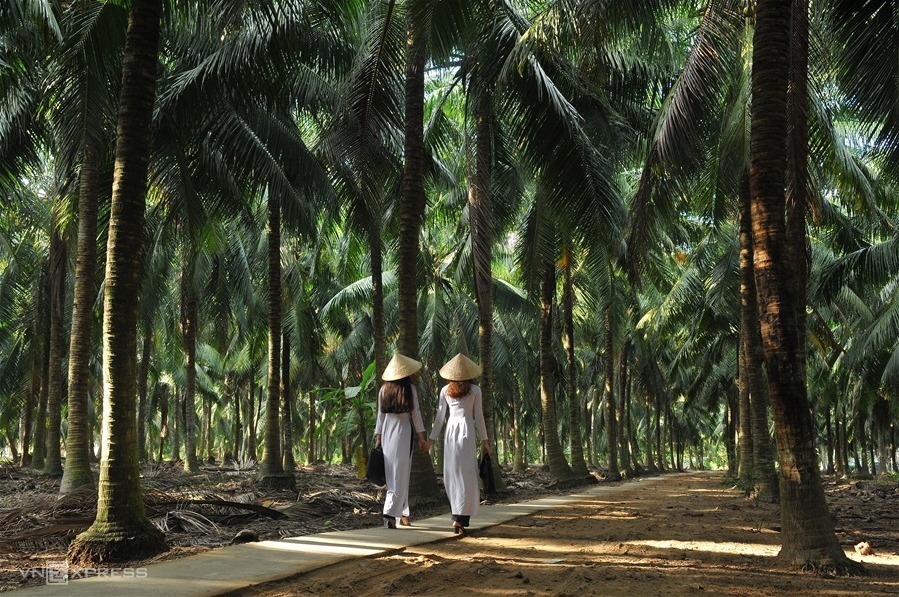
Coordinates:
457 389
396 396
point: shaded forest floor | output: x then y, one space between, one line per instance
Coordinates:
685 534
200 512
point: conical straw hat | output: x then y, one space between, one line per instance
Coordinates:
399 367
460 368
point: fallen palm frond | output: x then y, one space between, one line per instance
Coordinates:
48 538
331 501
185 520
256 508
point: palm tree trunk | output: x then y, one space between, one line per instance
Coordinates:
189 331
845 443
423 484
9 430
271 472
310 432
163 420
831 452
744 416
251 451
797 192
176 422
207 430
142 382
808 538
40 423
77 471
519 463
34 387
611 420
670 427
289 464
121 530
892 449
881 416
587 414
413 196
871 443
650 459
377 297
480 206
858 445
660 451
839 468
578 465
558 466
633 443
237 432
731 431
623 450
52 456
762 471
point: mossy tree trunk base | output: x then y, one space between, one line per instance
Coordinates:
103 544
828 565
277 481
75 479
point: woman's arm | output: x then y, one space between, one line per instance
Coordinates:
379 422
479 418
441 415
417 423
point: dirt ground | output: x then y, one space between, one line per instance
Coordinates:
685 534
37 524
682 534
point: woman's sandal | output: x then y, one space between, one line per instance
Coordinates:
458 529
405 521
389 522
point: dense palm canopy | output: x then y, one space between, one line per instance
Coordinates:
564 190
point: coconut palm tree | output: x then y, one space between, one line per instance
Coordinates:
121 530
808 534
85 71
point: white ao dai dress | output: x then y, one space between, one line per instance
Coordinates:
395 430
460 458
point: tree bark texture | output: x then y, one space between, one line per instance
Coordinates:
480 210
271 470
423 483
142 387
77 471
189 332
121 530
808 537
609 392
288 462
55 381
578 464
40 422
558 466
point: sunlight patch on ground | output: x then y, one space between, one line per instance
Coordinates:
727 492
879 559
614 515
331 547
502 543
727 547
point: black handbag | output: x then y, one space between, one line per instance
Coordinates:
485 471
374 470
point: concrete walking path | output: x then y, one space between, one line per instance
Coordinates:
236 567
